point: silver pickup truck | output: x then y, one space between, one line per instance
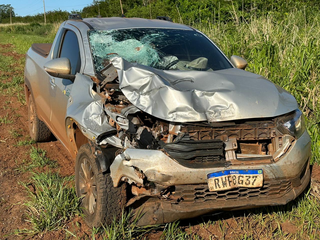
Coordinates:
161 121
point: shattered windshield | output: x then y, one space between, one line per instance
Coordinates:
167 49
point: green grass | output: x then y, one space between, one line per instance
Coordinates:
7 104
23 42
52 199
38 159
5 119
174 231
11 84
21 97
28 29
25 142
23 36
15 133
124 228
52 202
6 63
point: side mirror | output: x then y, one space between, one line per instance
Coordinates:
238 62
59 67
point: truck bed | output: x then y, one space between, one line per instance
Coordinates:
42 48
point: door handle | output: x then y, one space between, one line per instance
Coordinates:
52 82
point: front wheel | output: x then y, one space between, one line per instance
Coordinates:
100 201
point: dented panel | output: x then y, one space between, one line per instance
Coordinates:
157 167
86 108
184 96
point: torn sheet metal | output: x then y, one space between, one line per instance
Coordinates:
189 96
86 108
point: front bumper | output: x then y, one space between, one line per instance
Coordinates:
160 168
196 200
284 180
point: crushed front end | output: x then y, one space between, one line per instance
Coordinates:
168 173
168 165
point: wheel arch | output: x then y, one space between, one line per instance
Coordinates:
27 89
104 156
75 136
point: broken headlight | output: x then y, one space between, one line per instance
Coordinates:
292 124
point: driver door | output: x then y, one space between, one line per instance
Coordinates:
61 88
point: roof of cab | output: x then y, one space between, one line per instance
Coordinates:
124 23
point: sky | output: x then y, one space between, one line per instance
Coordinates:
33 7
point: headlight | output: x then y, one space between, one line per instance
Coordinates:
292 124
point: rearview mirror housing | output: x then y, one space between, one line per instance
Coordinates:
59 67
238 62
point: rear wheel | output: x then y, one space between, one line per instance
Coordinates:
39 131
100 201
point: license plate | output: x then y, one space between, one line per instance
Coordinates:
229 179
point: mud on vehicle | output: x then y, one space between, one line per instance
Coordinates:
160 120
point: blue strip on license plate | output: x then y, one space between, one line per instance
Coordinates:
229 172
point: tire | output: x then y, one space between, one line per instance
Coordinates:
38 130
100 201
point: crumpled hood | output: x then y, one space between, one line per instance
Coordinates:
190 96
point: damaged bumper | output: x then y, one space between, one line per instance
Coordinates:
197 200
160 168
284 180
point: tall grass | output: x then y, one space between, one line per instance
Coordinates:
125 228
23 36
8 24
32 28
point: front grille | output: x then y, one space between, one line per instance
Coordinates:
198 151
254 130
201 193
206 159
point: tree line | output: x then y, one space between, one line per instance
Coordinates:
183 11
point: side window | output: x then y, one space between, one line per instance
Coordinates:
70 50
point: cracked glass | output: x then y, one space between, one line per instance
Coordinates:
165 49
